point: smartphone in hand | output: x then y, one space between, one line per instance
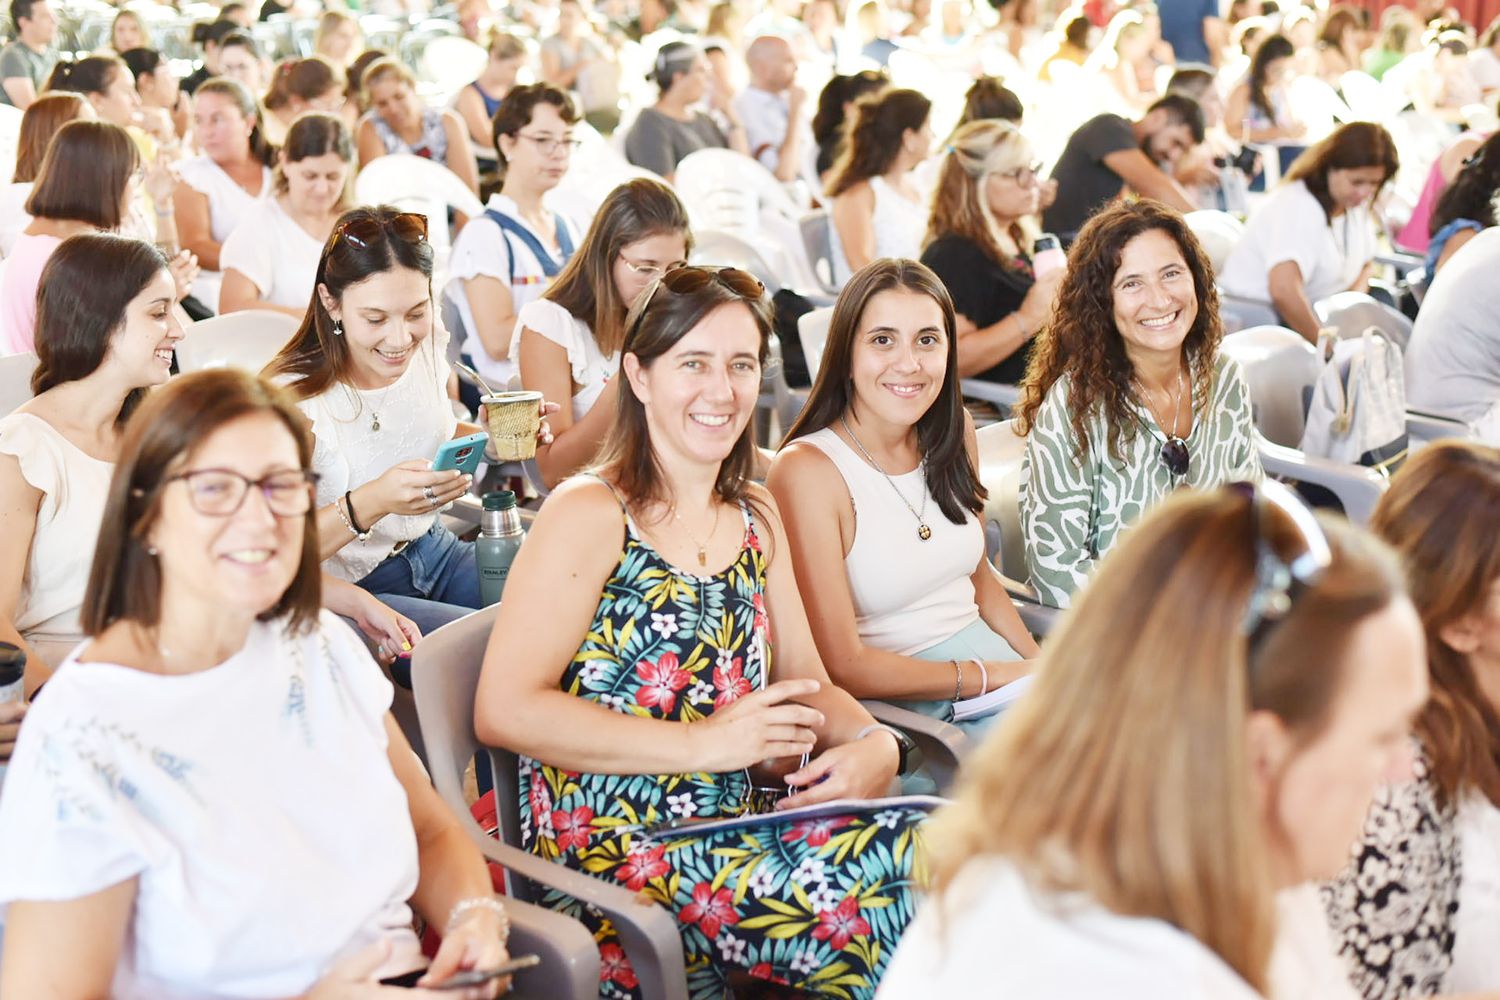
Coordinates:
464 454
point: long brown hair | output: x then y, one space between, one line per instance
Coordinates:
1439 514
951 475
1124 773
658 320
874 137
960 206
84 174
1349 147
1083 342
634 211
317 358
39 124
125 580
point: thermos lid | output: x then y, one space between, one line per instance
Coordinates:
499 500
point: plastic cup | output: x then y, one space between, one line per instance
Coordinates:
513 420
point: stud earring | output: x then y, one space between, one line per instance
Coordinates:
151 550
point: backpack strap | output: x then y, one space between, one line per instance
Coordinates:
550 267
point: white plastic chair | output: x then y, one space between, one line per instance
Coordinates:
1352 313
812 329
817 238
1218 232
10 137
1001 450
15 380
246 340
450 62
418 185
713 182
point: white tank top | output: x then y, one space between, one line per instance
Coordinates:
909 594
899 225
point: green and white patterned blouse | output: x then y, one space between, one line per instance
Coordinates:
1072 513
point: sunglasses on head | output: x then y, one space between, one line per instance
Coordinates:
693 278
361 232
1279 580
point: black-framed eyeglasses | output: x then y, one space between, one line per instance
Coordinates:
222 492
1025 176
548 144
1279 580
410 227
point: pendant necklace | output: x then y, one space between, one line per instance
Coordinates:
374 410
923 531
702 546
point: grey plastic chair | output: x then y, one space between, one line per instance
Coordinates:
1352 313
1000 452
817 238
445 673
15 380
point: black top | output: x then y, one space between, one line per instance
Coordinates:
191 81
1084 183
984 290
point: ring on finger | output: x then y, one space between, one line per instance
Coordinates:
427 492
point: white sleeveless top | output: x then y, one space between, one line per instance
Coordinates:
228 205
909 594
416 417
74 486
899 224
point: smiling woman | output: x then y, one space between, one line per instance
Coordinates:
1126 397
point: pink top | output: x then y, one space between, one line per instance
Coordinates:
1414 235
23 272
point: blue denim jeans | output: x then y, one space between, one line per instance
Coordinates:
432 581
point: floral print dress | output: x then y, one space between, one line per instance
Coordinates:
818 904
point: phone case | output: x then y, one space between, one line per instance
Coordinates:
463 454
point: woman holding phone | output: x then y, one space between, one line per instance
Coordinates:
370 371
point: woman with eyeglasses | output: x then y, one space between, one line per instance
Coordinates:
1418 909
1146 821
177 819
1126 397
979 241
570 337
506 257
369 369
677 660
879 471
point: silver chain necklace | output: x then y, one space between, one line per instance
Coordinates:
923 531
1170 433
374 410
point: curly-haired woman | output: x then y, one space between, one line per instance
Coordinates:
1126 397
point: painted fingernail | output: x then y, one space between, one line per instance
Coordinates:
406 646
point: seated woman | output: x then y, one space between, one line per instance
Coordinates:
875 209
836 103
672 128
107 83
883 438
570 337
504 258
1416 235
1251 740
207 850
1127 397
231 180
629 710
369 369
1258 108
1315 234
240 60
338 38
1115 64
1400 35
1072 44
398 122
270 261
126 33
1418 902
160 91
297 87
43 117
477 103
979 240
105 334
1440 84
87 183
1340 43
1467 207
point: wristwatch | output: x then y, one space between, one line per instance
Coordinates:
906 747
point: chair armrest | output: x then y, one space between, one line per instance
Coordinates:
648 931
1356 488
943 745
1427 427
570 956
991 392
1040 619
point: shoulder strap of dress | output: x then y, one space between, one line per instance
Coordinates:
624 508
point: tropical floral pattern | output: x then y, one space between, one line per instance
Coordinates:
817 904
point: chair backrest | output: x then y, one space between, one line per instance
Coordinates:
247 340
1351 313
1000 452
1280 367
715 183
812 329
1218 232
817 238
714 247
15 380
418 185
449 61
445 677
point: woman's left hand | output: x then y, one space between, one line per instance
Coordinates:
394 634
473 942
543 431
184 271
861 769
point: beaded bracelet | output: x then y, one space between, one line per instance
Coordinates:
348 520
481 903
958 684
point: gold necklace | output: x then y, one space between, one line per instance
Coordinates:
923 531
702 546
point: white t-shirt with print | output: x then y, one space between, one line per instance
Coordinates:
253 802
1290 225
588 366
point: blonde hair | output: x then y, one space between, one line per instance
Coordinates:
960 206
1123 773
380 69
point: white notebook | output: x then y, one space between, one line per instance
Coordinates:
993 701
